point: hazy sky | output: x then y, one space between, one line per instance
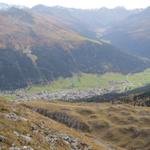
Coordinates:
130 4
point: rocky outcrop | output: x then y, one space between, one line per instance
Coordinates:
66 119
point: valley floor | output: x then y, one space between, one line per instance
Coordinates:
113 81
42 125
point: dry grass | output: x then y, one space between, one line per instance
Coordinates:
124 126
33 120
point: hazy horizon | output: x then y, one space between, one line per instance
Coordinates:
91 4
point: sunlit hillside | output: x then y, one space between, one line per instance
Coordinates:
45 125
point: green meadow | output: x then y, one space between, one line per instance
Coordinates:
86 81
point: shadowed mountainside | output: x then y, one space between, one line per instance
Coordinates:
132 34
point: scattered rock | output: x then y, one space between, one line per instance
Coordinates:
2 138
23 148
26 138
14 148
14 117
74 143
16 133
27 148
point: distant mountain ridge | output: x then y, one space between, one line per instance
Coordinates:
126 29
4 6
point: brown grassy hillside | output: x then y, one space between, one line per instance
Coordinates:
124 126
22 128
21 30
45 125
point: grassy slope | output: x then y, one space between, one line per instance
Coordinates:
37 127
85 81
124 126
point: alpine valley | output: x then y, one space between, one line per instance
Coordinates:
41 44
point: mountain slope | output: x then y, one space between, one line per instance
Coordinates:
132 34
90 23
118 126
37 48
22 128
126 29
48 125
